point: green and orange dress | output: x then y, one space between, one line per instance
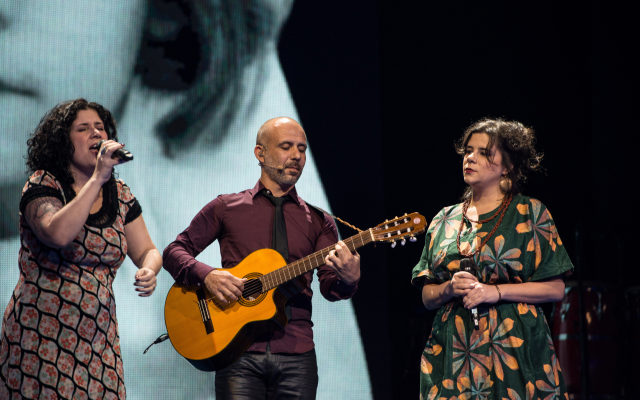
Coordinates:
511 355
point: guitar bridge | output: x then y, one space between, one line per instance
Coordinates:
204 311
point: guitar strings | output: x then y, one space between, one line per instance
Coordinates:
252 287
255 286
297 267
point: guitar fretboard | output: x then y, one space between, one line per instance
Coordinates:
312 261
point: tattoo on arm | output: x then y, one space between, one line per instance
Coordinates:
38 209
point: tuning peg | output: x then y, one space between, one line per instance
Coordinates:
393 244
403 241
413 238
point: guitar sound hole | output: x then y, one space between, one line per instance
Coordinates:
252 293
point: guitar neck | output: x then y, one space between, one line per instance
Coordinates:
310 262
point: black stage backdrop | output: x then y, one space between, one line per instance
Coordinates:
384 89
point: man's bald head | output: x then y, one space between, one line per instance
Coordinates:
270 126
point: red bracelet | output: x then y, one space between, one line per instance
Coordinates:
499 294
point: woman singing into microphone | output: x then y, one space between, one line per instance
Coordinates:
77 224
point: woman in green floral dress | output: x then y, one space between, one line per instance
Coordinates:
487 264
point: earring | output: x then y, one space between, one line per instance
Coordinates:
505 184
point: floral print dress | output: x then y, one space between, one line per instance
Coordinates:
511 355
59 331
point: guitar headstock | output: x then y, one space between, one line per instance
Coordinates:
399 228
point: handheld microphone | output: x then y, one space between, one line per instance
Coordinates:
466 264
121 154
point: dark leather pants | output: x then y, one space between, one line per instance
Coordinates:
255 376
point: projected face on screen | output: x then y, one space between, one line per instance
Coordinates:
189 83
51 52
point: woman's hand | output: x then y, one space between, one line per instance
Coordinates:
435 295
105 161
480 293
461 284
144 255
145 282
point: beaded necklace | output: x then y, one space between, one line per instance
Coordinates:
501 211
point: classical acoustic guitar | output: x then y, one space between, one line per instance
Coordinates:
211 335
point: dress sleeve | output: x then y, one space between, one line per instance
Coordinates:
179 258
41 184
550 256
129 204
422 273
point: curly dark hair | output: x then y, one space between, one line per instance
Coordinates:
50 147
514 141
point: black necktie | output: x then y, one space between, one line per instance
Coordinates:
279 237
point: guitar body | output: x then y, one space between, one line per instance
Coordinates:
212 335
231 328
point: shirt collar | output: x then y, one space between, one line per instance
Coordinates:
259 187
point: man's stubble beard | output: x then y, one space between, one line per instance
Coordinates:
281 178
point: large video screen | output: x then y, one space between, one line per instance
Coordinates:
189 84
